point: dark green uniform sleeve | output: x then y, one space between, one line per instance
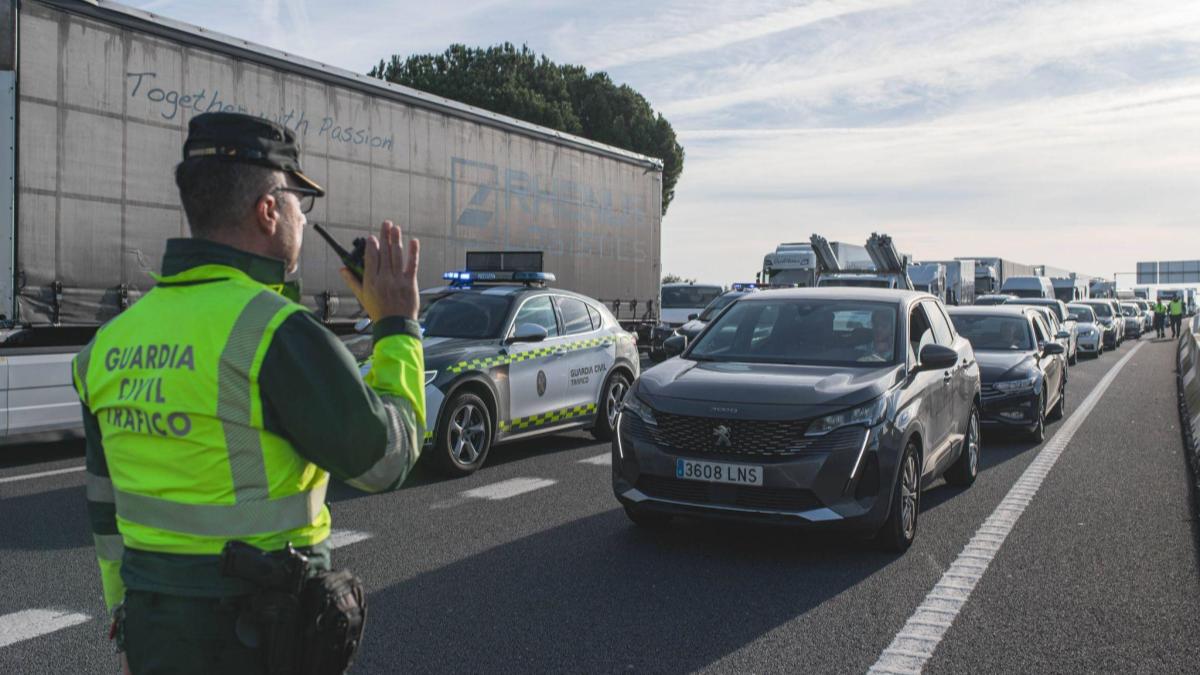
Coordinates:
366 433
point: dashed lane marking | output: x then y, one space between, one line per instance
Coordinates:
30 623
914 645
508 488
599 460
41 474
340 538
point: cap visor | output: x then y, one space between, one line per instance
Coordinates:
309 182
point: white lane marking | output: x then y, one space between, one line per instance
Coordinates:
41 474
340 538
913 646
31 623
599 460
508 488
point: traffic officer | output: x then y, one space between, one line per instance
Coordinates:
217 407
1160 318
1176 311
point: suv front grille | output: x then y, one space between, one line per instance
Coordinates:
745 496
690 435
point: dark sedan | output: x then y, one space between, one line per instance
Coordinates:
816 407
1024 370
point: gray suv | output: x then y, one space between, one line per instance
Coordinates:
813 407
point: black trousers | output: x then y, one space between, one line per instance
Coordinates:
1176 321
181 636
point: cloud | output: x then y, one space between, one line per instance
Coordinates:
724 33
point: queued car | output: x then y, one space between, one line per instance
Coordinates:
510 358
824 408
1135 320
1147 314
1110 320
693 327
678 304
1091 334
1060 320
1024 371
994 299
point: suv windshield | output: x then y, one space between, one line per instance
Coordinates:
802 332
1051 305
684 297
460 314
1082 314
994 333
1102 309
1129 310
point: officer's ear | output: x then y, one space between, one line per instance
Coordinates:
266 213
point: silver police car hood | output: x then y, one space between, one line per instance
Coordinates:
802 390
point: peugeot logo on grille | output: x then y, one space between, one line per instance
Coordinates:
722 434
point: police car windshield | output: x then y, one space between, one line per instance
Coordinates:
459 314
718 305
682 297
849 333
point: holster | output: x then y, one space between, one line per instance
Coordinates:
335 614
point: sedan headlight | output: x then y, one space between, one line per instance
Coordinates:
866 415
636 406
1011 386
430 376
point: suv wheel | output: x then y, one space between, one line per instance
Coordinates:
964 471
900 528
609 405
464 436
1038 433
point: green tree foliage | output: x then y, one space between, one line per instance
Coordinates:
520 84
670 278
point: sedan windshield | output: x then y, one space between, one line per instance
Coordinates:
802 332
1102 309
460 314
1082 314
994 333
1128 310
685 297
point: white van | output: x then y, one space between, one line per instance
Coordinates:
678 302
1029 287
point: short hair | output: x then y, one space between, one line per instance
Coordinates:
218 194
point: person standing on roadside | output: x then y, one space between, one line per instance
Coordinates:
1176 311
1160 318
217 406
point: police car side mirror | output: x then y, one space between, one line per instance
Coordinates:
674 345
528 332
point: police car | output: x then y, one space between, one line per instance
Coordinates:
508 358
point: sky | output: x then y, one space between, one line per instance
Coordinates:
1058 132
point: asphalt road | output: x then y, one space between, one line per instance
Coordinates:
530 566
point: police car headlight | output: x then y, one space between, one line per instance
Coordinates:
636 406
430 376
867 415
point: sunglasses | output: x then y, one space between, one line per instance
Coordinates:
307 196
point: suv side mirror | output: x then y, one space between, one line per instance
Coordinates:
674 345
1062 335
528 332
937 357
1051 348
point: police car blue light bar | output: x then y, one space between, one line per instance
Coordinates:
745 286
467 276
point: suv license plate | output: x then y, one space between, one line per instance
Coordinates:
715 472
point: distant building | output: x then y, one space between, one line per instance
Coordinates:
1169 272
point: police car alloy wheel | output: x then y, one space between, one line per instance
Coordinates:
464 435
609 405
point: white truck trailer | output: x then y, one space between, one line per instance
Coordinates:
95 100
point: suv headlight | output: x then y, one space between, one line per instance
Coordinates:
636 406
1010 386
867 415
430 376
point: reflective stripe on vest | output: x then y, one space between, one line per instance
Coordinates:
242 519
